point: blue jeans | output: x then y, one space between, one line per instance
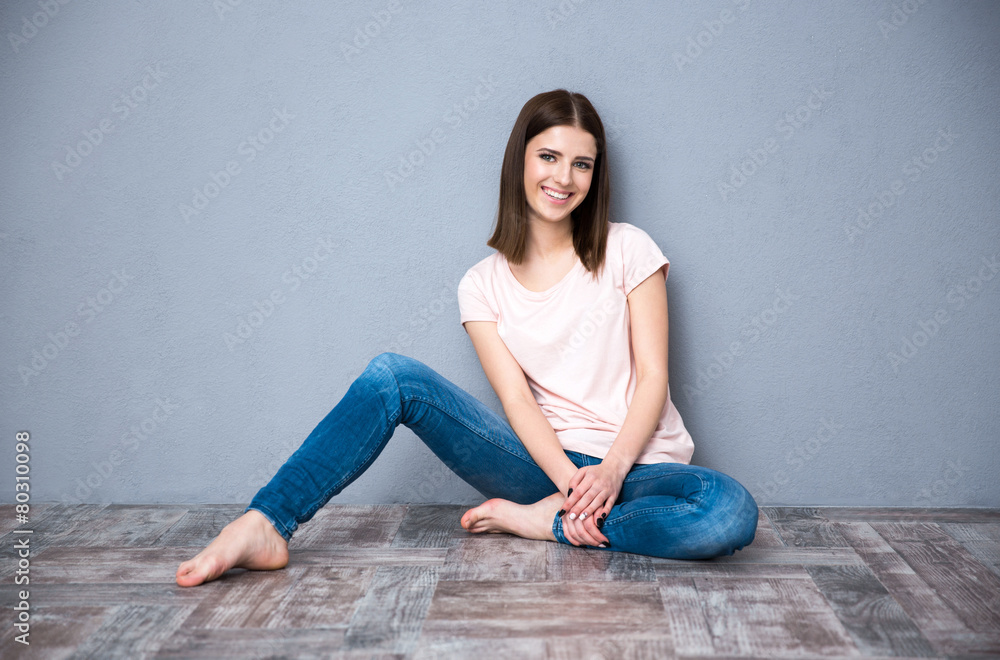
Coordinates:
664 509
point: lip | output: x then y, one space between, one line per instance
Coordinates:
561 192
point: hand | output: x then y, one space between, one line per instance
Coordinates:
593 491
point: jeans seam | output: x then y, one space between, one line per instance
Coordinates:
346 479
701 479
458 418
647 511
455 416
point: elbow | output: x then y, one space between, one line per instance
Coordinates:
655 380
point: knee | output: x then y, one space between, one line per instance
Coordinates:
731 518
400 367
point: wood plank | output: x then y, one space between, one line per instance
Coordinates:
766 536
133 631
489 556
337 525
255 643
322 598
770 616
391 615
875 621
65 565
805 527
430 526
936 620
244 603
56 632
565 562
904 514
363 557
618 647
710 569
484 609
56 596
982 540
971 531
783 555
104 525
129 565
685 614
199 526
8 516
972 590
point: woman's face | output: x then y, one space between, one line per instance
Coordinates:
560 161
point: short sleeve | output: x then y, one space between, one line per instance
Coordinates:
472 303
641 257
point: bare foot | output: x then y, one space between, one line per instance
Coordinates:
530 521
250 541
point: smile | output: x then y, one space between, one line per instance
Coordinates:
554 194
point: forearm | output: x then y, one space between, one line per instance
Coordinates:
643 415
540 440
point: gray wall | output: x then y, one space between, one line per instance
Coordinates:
745 137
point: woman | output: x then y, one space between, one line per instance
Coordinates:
569 320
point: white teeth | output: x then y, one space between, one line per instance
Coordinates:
554 194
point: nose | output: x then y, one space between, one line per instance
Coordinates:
563 175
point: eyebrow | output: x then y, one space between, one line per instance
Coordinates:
553 151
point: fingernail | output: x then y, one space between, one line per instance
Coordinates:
583 515
572 516
600 523
569 492
608 543
604 515
602 546
561 512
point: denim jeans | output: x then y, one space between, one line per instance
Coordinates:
664 509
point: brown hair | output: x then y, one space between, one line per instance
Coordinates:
590 219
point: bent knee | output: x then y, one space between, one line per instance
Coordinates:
730 524
402 367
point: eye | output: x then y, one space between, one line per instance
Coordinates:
586 166
544 156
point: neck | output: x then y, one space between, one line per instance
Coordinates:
549 241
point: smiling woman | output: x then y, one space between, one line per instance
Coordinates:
592 451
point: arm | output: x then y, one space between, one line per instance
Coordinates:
596 487
525 416
650 324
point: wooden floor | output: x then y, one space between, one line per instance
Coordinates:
409 582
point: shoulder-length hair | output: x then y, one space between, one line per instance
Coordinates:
590 219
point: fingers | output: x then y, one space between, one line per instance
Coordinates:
583 533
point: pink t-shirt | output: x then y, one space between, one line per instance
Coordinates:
573 342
